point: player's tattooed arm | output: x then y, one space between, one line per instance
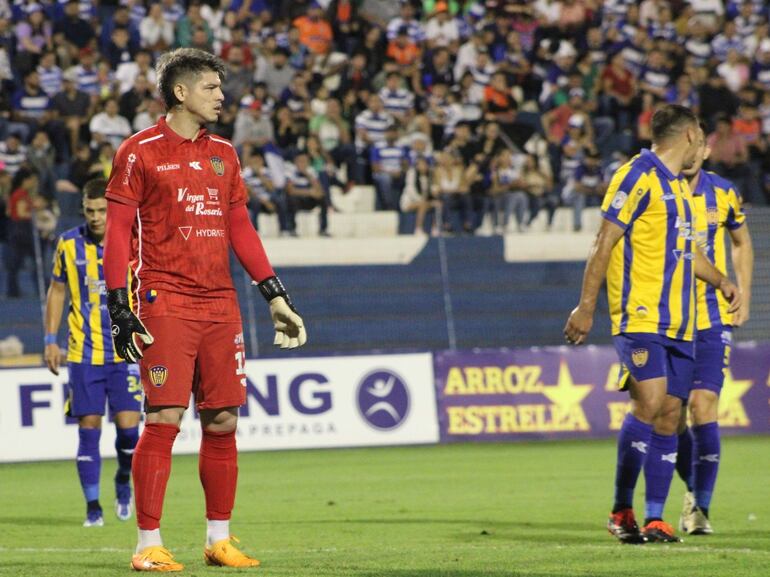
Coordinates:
582 317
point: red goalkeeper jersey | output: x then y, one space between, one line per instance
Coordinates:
182 190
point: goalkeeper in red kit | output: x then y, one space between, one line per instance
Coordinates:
176 204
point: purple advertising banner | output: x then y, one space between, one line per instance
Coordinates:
568 392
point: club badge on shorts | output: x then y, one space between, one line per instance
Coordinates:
158 375
218 165
639 357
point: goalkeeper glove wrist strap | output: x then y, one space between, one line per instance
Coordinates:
117 298
272 287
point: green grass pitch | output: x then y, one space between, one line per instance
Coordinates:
530 509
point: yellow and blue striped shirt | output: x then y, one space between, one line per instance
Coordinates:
650 278
78 264
717 207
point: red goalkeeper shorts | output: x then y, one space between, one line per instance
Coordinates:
200 357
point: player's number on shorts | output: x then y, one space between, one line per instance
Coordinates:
240 361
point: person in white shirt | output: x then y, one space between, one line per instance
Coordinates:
442 30
109 126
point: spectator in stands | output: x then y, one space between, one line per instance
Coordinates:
507 194
452 188
84 167
734 70
263 196
73 107
72 33
119 49
304 192
34 35
50 74
442 30
109 126
12 154
404 52
191 22
389 165
587 186
538 183
420 196
729 153
134 100
238 78
156 30
41 159
499 104
148 114
397 100
287 130
32 107
315 33
333 132
276 73
22 204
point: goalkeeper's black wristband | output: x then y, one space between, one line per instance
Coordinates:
117 299
272 287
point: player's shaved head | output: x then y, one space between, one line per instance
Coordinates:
671 121
184 65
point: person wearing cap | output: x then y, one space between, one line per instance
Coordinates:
442 30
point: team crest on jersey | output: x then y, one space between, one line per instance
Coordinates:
639 357
158 375
218 165
712 215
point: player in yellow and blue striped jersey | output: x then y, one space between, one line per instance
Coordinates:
718 213
96 373
646 250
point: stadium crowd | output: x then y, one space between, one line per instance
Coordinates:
454 110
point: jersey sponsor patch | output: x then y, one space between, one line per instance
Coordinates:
619 200
712 216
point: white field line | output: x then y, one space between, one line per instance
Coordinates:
647 549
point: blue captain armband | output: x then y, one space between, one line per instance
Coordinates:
50 339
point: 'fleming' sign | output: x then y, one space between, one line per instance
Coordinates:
563 392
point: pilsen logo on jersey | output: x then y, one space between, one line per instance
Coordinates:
158 375
218 165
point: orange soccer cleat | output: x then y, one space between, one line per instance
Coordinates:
622 525
224 554
659 531
156 558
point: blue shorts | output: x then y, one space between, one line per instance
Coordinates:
649 356
712 357
90 386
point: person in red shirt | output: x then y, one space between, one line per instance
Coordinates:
176 203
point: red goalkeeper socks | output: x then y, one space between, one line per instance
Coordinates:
151 469
218 468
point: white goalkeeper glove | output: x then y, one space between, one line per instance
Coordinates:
289 328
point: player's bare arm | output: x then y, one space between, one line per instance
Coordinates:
582 317
54 307
707 272
743 263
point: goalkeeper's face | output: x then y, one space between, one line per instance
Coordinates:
204 97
